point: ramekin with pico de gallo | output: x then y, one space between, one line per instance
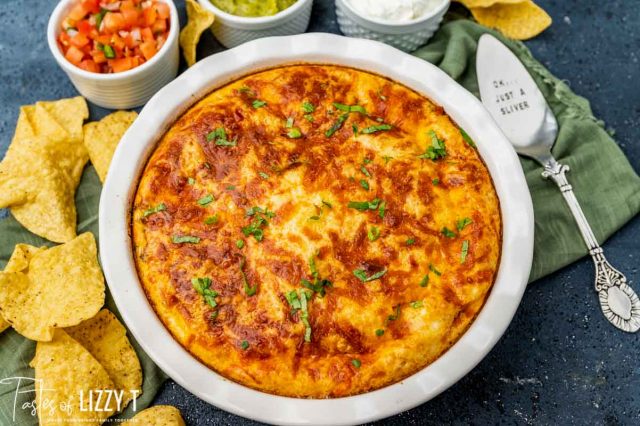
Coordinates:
117 53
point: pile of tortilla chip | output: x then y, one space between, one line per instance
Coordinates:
199 20
83 356
44 163
84 364
44 289
517 19
84 360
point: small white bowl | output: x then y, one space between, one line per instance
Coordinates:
406 36
232 30
123 90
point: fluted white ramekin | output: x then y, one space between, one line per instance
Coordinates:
406 36
122 90
232 30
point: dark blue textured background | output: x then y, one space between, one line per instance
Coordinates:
560 362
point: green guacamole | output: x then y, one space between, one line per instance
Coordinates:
252 7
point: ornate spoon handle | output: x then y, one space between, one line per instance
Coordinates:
620 304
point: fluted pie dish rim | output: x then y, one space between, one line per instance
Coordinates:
215 71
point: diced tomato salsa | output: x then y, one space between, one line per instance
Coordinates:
109 36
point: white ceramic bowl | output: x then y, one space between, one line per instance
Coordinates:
123 90
232 30
407 36
212 72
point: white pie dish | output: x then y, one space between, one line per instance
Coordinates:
214 71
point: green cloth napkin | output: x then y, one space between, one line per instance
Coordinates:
16 352
604 182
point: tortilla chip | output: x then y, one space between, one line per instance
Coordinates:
106 339
102 137
520 21
485 3
65 373
62 287
42 168
21 256
19 262
199 20
160 415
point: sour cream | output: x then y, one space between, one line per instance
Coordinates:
395 10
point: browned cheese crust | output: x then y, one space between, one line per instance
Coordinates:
271 192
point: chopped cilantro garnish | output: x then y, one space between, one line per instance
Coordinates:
365 172
364 205
328 204
260 220
207 199
386 159
350 108
202 287
318 285
462 223
467 138
219 135
230 187
240 244
354 127
448 233
258 103
299 303
157 209
99 16
382 210
433 269
424 281
375 129
250 291
379 332
191 181
416 304
181 239
366 160
465 251
437 148
309 118
109 53
247 90
308 107
211 220
410 241
244 345
337 125
200 284
263 175
435 181
373 233
289 123
356 363
294 133
362 275
364 184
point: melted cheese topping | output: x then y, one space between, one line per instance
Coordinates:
431 231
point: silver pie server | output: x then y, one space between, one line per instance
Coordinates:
518 107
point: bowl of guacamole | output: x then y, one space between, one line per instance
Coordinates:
253 8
